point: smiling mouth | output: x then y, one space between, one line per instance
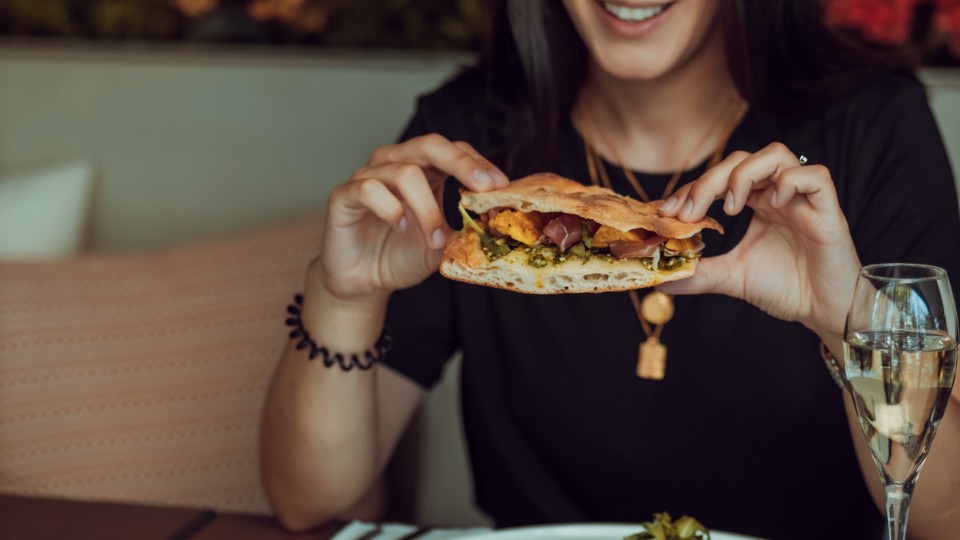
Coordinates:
634 14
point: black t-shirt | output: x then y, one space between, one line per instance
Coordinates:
747 432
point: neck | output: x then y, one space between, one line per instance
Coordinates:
657 125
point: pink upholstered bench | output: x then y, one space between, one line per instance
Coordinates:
141 378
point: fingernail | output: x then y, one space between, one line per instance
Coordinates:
500 178
403 224
669 204
438 238
482 179
728 203
687 209
773 198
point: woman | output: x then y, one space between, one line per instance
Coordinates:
747 432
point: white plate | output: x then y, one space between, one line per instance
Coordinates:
593 531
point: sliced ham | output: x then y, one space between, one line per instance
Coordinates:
564 231
591 226
628 250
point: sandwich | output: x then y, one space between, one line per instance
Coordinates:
545 234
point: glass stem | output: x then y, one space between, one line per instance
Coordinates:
898 503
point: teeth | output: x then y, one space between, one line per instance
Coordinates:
629 14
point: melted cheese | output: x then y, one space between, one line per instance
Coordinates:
525 228
607 235
683 244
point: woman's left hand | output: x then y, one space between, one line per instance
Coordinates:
797 261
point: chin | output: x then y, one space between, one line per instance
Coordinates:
637 64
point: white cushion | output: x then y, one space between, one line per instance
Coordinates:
44 212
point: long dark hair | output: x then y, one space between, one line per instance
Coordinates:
784 60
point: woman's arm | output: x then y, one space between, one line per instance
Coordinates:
327 434
797 262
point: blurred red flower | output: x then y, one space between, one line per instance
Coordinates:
891 22
881 21
195 8
947 20
304 17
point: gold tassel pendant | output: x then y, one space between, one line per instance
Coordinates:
652 359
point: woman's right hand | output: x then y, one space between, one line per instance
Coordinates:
385 228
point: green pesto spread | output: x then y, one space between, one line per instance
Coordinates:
544 256
672 263
666 263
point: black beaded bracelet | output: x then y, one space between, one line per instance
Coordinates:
362 361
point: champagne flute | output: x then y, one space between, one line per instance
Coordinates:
900 356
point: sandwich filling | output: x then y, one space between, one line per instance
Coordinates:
543 239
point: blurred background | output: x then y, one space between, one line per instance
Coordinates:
176 102
139 128
406 24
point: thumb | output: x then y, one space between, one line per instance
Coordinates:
713 275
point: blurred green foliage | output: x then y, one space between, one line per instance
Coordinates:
422 24
402 23
149 19
139 19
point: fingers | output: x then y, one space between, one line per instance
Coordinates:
457 159
418 195
813 181
684 203
733 180
407 184
499 178
405 180
375 196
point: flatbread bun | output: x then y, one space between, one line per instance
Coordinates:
464 260
545 192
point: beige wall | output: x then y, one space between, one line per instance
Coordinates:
198 144
192 145
943 86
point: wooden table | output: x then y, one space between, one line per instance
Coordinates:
23 518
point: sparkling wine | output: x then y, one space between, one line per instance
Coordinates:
901 383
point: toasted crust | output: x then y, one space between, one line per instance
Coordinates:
545 192
464 260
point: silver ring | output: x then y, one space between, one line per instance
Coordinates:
803 160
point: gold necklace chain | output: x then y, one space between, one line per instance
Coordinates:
656 308
597 169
